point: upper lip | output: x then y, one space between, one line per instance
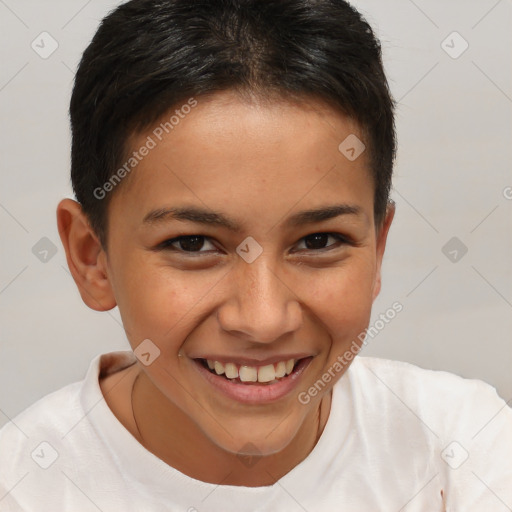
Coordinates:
248 361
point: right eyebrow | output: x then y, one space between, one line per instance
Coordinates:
192 214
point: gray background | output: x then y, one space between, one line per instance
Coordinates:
453 169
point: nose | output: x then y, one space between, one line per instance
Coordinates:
262 306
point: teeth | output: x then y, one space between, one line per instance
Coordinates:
280 369
231 371
219 368
248 374
267 373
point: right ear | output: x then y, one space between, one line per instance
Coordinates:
87 260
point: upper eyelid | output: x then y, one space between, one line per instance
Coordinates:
338 236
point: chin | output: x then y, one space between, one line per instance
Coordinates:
253 438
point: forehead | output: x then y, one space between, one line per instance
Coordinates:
225 148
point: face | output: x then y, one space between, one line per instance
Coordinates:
215 253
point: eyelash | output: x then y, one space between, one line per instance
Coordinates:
167 244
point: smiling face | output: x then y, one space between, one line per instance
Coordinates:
245 237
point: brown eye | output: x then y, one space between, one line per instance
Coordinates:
188 243
191 243
318 241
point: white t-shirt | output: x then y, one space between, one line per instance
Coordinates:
397 435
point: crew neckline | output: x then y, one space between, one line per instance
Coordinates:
145 468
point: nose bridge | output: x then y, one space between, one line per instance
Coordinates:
261 306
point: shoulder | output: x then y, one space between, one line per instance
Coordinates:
50 417
443 400
431 424
55 414
414 380
50 410
38 433
30 439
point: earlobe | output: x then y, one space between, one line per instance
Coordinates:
87 260
382 236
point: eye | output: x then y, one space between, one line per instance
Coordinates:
194 243
188 243
318 241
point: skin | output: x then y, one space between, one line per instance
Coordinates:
256 163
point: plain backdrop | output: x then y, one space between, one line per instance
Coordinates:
451 187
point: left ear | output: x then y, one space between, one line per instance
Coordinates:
382 236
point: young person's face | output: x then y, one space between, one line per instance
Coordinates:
303 297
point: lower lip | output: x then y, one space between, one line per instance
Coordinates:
255 393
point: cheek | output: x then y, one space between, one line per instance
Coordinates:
162 303
343 296
343 303
159 303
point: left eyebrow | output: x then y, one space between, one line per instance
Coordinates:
208 217
321 214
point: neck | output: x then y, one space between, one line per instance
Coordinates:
189 451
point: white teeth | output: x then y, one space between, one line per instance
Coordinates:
280 369
219 368
248 374
231 371
267 373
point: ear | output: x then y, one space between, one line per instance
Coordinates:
87 260
382 236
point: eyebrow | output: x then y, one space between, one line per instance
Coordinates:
207 217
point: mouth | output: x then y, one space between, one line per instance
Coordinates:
253 384
267 375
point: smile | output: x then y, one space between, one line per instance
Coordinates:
253 384
263 374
